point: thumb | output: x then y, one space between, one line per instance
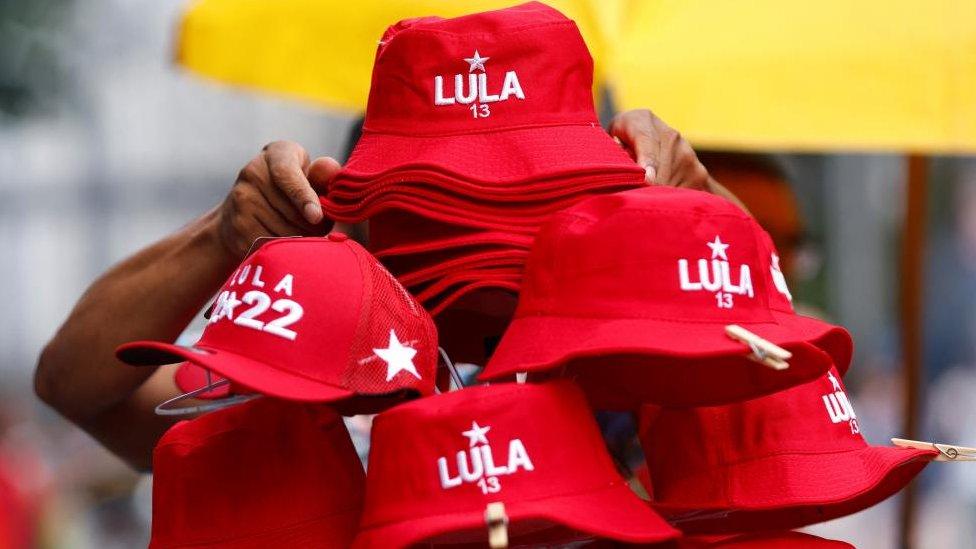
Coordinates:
321 172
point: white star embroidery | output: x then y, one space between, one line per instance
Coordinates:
718 248
476 434
398 357
833 381
225 307
476 62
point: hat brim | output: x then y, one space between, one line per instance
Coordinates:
834 340
613 513
253 374
499 157
642 360
792 490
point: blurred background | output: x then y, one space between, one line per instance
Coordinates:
107 143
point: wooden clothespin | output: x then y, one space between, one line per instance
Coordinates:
763 351
947 452
497 522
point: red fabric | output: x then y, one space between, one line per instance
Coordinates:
777 462
418 268
348 311
763 540
190 377
619 288
432 182
556 472
446 300
501 273
18 518
837 343
266 473
548 128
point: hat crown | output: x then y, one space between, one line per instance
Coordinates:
279 464
319 308
523 66
649 253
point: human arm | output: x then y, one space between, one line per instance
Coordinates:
155 293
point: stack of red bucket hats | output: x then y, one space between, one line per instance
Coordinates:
267 473
286 327
477 129
439 466
632 293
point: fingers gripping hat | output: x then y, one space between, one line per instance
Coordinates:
498 97
777 462
267 473
631 292
436 463
311 319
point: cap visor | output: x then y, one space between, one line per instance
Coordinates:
612 513
793 490
493 158
260 377
636 361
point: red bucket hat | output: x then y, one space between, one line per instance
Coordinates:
396 233
311 319
501 97
835 341
437 185
536 448
265 473
763 540
633 291
777 462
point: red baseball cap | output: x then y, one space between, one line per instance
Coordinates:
261 474
311 319
500 96
534 447
634 290
777 462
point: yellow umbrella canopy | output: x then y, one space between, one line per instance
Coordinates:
322 50
830 75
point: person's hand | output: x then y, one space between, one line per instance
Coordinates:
275 195
667 158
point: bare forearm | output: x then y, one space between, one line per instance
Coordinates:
152 295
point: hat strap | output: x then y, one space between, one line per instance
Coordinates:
451 368
168 408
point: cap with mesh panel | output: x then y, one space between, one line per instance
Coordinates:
311 319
